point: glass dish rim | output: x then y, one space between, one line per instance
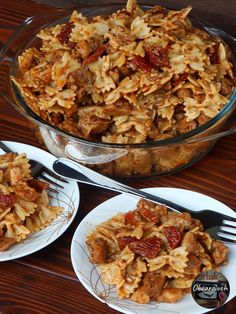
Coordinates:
174 140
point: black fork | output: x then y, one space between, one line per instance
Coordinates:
214 222
40 171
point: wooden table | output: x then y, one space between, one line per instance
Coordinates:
45 281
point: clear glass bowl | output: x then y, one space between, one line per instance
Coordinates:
154 158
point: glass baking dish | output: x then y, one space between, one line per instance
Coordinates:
154 158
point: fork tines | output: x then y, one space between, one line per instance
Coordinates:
223 238
55 176
227 233
47 179
230 221
51 190
231 230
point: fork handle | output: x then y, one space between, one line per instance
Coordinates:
5 148
75 171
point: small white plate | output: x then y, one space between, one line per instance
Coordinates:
68 198
88 273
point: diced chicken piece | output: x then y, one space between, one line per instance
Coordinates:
99 250
183 220
186 126
153 284
26 192
193 265
190 243
219 253
170 295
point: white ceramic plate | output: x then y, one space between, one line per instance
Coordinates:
88 273
69 199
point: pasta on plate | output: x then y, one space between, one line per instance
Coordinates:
24 202
150 253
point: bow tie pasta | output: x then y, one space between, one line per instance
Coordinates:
151 253
131 77
24 202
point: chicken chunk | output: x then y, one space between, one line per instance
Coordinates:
219 253
99 250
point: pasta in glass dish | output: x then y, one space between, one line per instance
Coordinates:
135 91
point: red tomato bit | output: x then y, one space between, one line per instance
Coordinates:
7 200
148 248
95 55
64 34
173 235
123 241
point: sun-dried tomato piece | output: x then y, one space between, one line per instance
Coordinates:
148 248
7 200
215 58
142 63
132 218
64 34
179 108
173 235
123 241
157 56
95 55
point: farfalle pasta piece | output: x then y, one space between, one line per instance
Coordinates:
17 231
61 69
24 209
5 189
103 82
136 232
113 272
33 223
42 217
133 276
178 259
62 100
157 262
169 272
9 219
108 233
47 214
140 28
182 282
43 198
51 43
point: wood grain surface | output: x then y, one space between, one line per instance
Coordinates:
45 282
